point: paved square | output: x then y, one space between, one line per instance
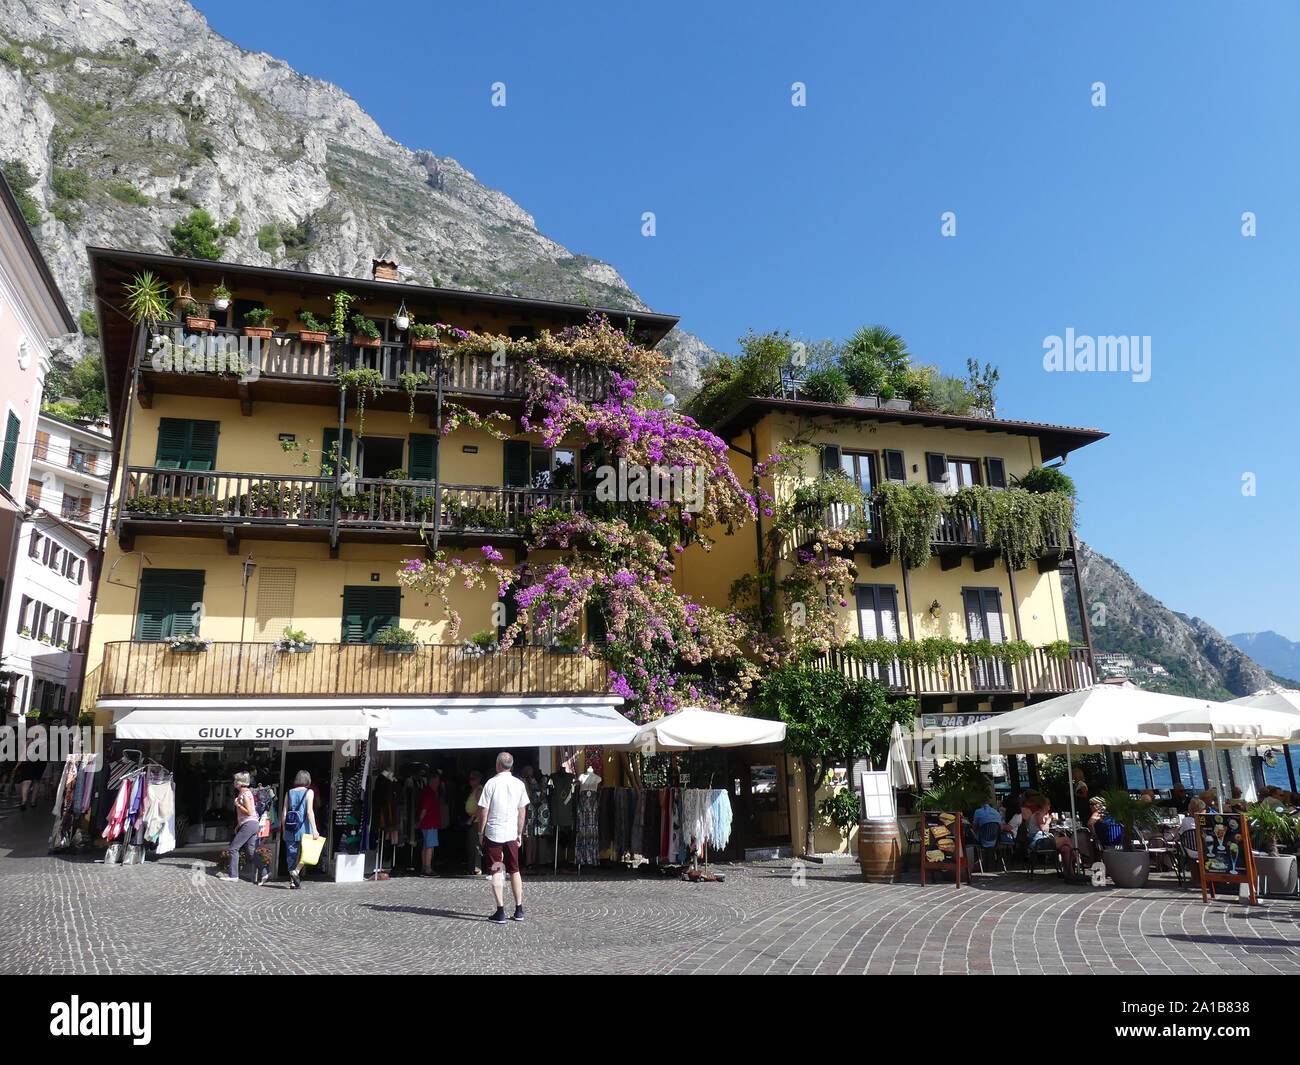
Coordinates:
69 915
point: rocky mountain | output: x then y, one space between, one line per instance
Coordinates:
127 116
1273 651
1126 619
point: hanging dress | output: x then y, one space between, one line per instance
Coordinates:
588 848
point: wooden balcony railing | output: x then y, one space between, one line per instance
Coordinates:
959 675
192 497
137 669
286 357
959 531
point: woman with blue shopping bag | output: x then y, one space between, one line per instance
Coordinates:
299 818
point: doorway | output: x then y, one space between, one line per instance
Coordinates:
380 454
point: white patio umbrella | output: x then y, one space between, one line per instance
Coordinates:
897 764
692 728
1285 700
1233 724
1089 719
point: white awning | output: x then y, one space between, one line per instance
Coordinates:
441 725
237 724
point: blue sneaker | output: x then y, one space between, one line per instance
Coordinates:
519 914
499 917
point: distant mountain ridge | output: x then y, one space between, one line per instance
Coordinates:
1126 619
1271 650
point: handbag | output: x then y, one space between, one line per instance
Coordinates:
311 849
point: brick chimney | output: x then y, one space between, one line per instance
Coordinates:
384 269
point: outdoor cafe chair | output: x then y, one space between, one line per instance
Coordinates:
1187 855
1159 847
1044 851
990 839
912 837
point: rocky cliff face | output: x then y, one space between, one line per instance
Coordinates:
1126 619
129 115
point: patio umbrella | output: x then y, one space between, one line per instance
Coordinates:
897 764
694 729
1090 719
1234 724
1284 700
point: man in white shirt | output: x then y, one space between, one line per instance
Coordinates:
502 807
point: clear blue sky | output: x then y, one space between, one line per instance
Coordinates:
1117 220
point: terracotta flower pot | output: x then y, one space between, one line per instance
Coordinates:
425 344
364 342
309 336
258 332
200 325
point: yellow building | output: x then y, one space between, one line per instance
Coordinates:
966 591
254 497
267 489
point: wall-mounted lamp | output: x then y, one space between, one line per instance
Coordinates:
249 567
936 609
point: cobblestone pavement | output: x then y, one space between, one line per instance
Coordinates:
69 915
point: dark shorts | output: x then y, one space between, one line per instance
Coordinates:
502 855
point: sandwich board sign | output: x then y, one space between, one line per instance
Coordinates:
942 847
1223 847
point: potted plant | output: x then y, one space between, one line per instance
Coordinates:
396 641
424 337
263 853
147 298
843 809
188 642
1130 865
255 323
1270 829
196 317
294 642
220 297
365 334
313 329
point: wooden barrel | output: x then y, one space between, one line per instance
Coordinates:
879 851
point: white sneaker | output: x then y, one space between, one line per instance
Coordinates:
227 877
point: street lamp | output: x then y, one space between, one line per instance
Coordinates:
249 567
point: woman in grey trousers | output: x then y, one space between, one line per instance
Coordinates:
246 829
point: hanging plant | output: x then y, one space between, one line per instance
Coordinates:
342 301
1020 524
1013 652
411 383
367 383
911 514
1059 650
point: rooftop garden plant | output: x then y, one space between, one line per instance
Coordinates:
147 298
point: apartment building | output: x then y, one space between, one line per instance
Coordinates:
32 315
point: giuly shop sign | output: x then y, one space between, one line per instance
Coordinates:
261 733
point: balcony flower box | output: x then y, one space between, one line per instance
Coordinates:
294 647
200 325
188 644
360 340
258 332
395 641
399 648
311 336
424 343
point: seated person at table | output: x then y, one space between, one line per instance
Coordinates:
1211 799
1178 799
1194 807
1236 802
989 815
1148 796
1087 840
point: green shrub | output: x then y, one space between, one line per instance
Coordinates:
89 324
127 193
1046 479
864 371
67 214
195 236
826 386
268 237
20 180
181 193
231 228
11 56
70 184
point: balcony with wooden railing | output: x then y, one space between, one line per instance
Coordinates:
1039 674
158 501
957 536
226 363
143 670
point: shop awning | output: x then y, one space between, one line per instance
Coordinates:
240 724
444 724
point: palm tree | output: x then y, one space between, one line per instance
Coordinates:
874 359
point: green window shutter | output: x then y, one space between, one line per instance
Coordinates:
593 455
995 473
512 613
936 467
328 439
184 444
167 602
518 461
422 457
10 456
367 608
597 630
